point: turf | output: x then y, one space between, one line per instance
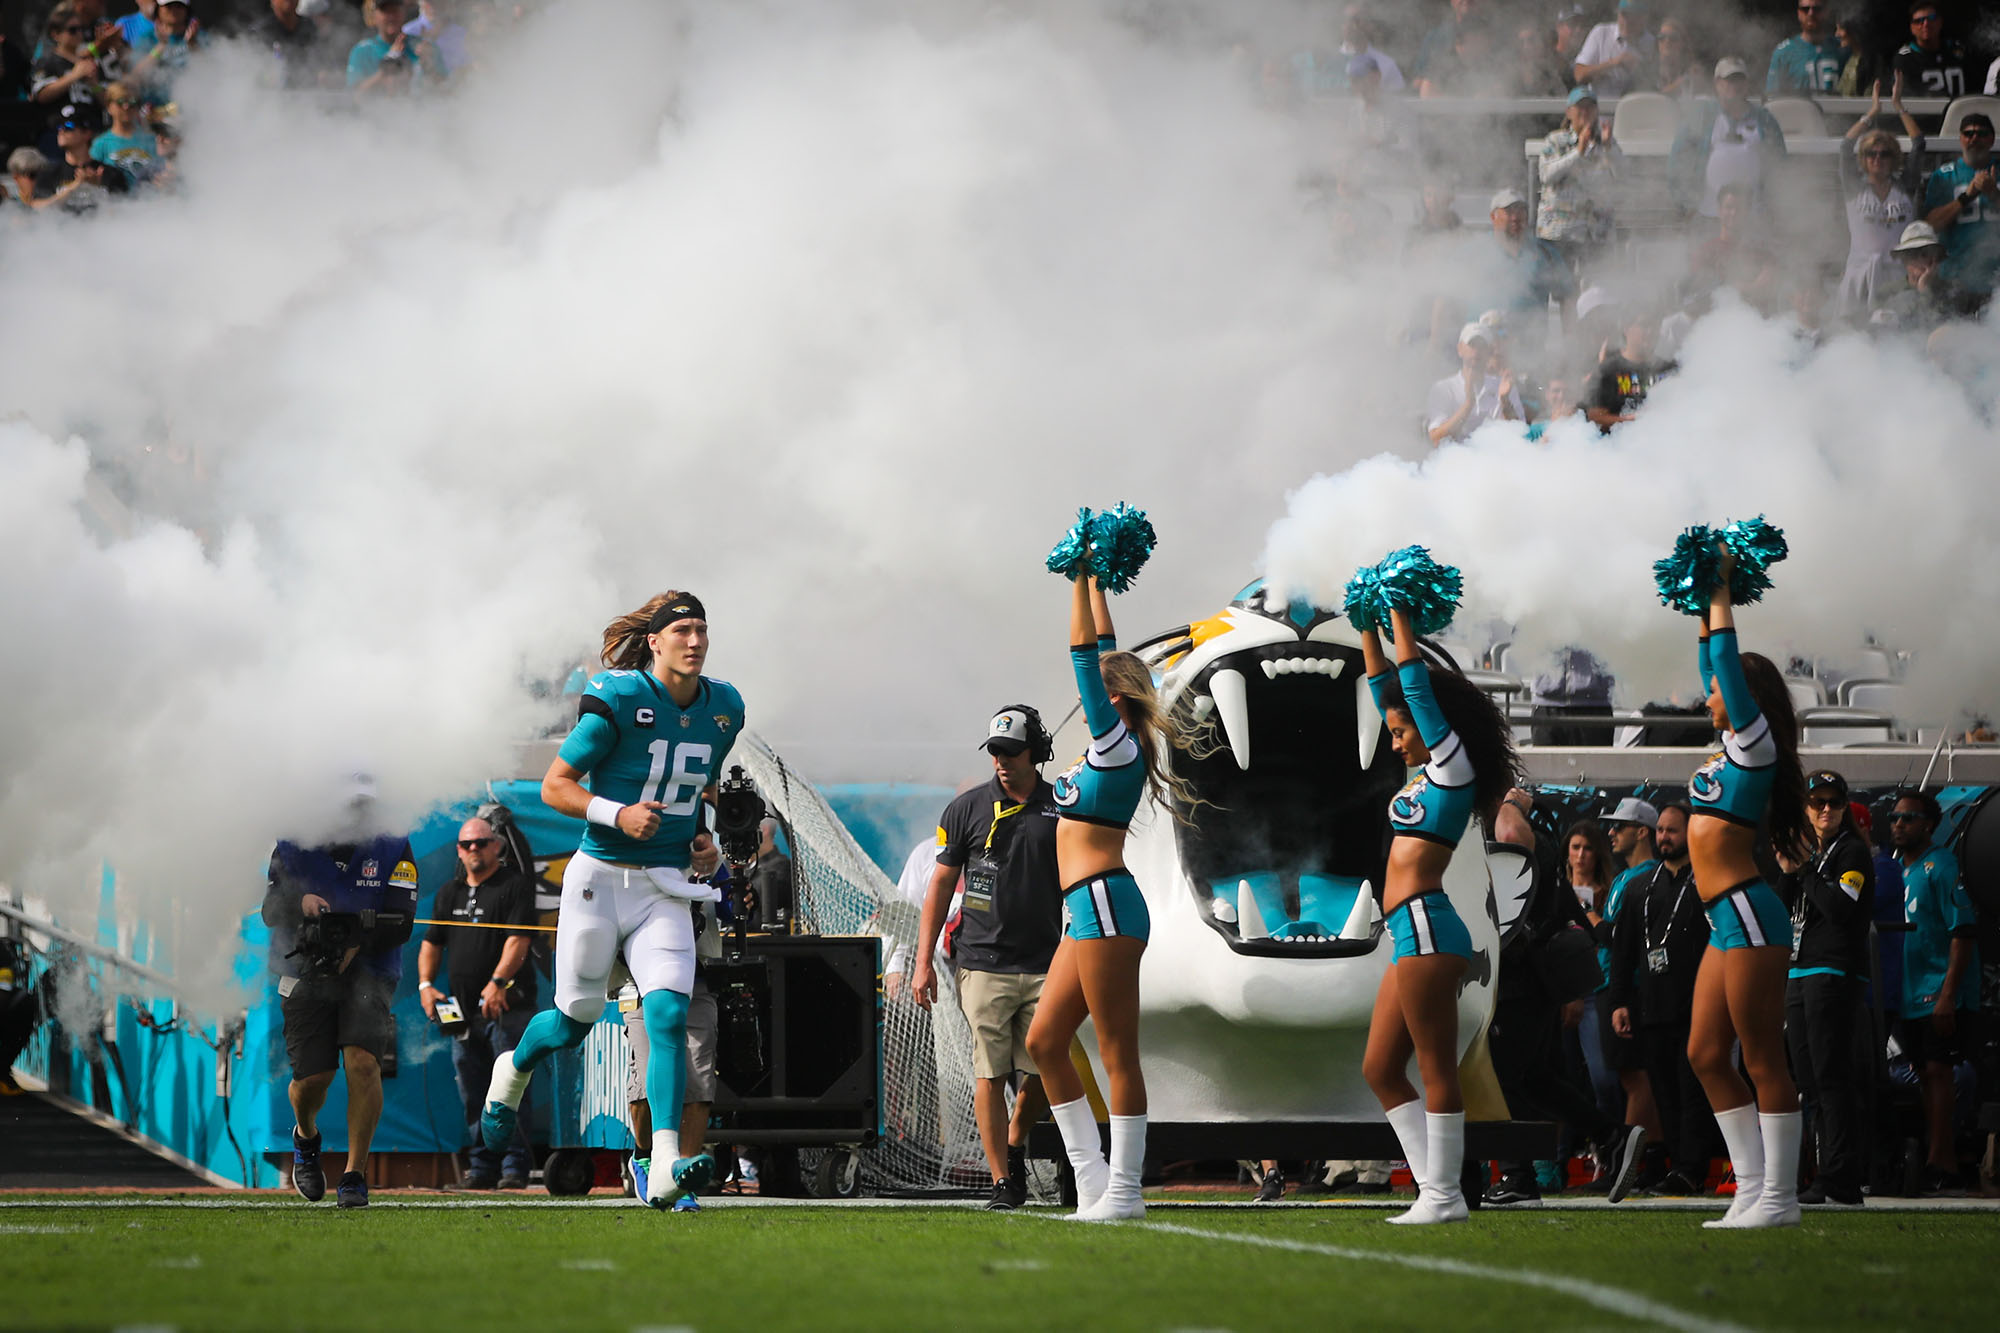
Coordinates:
278 1265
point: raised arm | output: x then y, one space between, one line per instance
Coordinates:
1415 679
1724 664
1089 618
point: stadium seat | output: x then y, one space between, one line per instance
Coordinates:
1959 109
1646 116
1884 696
1797 117
1839 728
1806 692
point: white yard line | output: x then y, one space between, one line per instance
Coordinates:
1614 1300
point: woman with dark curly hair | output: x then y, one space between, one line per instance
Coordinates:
1448 728
1739 993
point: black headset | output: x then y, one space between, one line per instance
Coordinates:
1041 745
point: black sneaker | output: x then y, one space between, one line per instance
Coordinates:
513 1181
1017 1176
1652 1168
1621 1162
1273 1188
307 1177
1512 1194
480 1180
1676 1185
353 1191
1002 1198
1066 1183
1944 1184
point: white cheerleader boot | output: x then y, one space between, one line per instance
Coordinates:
1439 1198
1778 1204
1120 1201
1086 1156
1744 1138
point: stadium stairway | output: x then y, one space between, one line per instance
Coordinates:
46 1145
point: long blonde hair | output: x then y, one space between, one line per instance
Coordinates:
1128 676
625 646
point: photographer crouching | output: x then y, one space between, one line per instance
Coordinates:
339 915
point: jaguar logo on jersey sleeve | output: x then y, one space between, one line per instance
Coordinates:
1066 791
1408 807
1706 784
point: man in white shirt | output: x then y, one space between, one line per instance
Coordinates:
1726 141
1462 403
1613 54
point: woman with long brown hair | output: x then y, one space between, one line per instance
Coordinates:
1095 972
1739 993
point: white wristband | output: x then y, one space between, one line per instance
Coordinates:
603 810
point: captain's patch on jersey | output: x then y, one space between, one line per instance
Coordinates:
642 717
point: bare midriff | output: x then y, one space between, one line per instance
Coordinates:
1416 865
1085 850
1721 853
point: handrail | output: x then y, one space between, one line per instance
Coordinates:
98 951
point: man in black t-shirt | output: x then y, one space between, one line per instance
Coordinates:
1000 837
1932 64
1624 377
489 977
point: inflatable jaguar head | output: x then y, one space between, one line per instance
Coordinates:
1268 939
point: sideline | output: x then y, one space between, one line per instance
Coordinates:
1614 1300
387 1196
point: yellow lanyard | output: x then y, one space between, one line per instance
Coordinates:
1000 812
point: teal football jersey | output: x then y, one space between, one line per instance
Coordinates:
634 743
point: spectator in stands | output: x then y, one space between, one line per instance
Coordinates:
1680 73
1439 41
1857 62
1538 70
1572 27
1656 951
1358 36
1932 63
1558 404
1736 257
31 171
1525 273
130 145
385 61
1881 201
137 27
1470 69
1832 896
1809 62
1724 141
1940 974
1462 403
1930 298
1962 204
1618 57
175 33
1000 840
1379 121
300 43
490 979
64 72
1436 216
1625 377
437 24
1580 167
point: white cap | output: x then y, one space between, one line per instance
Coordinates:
1507 198
1009 730
1476 332
1632 810
1729 67
1917 236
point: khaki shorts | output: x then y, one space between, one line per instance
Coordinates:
999 1006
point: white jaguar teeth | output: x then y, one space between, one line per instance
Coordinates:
1250 920
1367 724
1361 921
1233 708
1275 667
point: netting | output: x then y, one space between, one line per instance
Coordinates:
930 1139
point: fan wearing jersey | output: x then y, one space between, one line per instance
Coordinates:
1095 971
650 736
1739 991
1447 729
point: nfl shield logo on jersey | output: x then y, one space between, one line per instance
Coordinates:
370 868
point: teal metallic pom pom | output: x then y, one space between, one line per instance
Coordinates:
1757 546
1069 555
1121 540
1419 586
1363 600
1687 575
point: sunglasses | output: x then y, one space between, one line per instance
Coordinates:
1821 803
1906 817
1975 132
1812 9
1878 152
74 27
474 844
1916 19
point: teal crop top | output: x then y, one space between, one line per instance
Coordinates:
1735 783
1104 786
1436 805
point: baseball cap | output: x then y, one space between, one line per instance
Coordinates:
1583 92
1569 13
1008 732
1917 236
1827 780
1476 332
1729 67
1631 4
1507 198
1975 120
79 116
1632 810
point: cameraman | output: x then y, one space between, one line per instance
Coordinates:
337 968
490 979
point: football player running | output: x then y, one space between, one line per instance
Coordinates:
650 736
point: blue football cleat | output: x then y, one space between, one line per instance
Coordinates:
691 1175
687 1203
496 1126
639 1166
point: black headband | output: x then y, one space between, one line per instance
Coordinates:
681 608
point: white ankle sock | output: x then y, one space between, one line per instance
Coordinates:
1780 1133
508 1082
1086 1153
1744 1140
1411 1131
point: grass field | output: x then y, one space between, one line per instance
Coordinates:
416 1262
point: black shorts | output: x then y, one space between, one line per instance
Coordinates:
1623 1054
323 1014
1922 1042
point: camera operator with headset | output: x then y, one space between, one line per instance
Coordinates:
339 915
492 993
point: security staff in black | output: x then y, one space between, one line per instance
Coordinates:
490 982
999 837
1832 897
1656 950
